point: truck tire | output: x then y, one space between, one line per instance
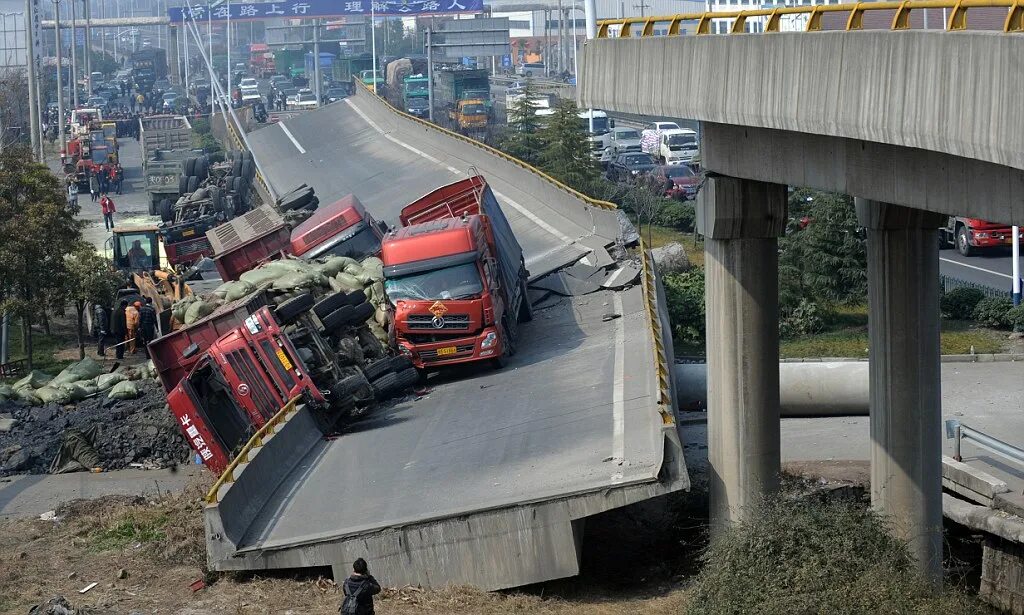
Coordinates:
347 387
963 243
311 205
289 311
167 210
190 166
193 184
244 155
337 319
388 365
361 313
202 167
395 382
236 166
333 302
220 204
236 185
238 205
248 169
182 185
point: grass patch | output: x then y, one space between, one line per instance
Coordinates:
661 235
44 349
137 526
957 337
800 555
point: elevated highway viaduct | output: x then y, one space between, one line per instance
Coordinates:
914 124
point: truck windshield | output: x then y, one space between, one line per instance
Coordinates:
415 86
600 124
678 142
358 246
474 109
456 282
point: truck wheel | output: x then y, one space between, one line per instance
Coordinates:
289 311
338 318
347 387
202 167
237 204
963 244
193 183
361 313
190 166
167 210
182 185
248 169
220 204
390 384
236 186
236 166
337 301
388 365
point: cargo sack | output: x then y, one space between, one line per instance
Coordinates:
74 391
124 390
86 369
374 267
233 291
106 381
36 379
291 281
7 392
335 265
28 395
260 277
77 452
198 311
347 282
52 395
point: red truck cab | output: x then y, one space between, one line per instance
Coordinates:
236 386
455 278
972 235
343 228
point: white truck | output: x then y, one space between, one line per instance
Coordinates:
669 143
620 140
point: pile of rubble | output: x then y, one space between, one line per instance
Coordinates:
137 432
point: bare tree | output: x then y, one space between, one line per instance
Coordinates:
14 110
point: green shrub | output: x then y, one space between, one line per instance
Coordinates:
201 125
804 319
684 293
959 303
1015 318
993 312
803 556
677 215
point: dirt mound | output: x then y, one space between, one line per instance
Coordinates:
140 431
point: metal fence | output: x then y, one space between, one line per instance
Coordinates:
948 283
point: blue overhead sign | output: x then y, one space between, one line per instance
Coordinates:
305 9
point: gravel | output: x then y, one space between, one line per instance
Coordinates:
140 430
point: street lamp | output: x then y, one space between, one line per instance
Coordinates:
373 41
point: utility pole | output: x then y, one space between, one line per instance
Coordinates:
316 60
590 15
60 79
74 56
1016 265
561 38
373 41
33 83
641 6
88 48
430 74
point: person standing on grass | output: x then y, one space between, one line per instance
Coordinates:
359 589
107 207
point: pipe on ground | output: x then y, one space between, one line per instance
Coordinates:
836 388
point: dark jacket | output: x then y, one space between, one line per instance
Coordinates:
117 323
369 586
147 318
99 319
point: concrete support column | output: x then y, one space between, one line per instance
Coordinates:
741 221
904 375
173 63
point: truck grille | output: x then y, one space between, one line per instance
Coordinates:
460 350
248 373
425 321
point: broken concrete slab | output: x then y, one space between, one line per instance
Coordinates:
970 483
626 274
561 283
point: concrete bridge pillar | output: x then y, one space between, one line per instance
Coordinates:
173 64
741 221
904 376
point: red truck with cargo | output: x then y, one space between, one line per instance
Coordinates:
455 278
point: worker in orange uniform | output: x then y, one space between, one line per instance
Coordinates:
131 319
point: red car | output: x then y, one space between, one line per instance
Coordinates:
680 181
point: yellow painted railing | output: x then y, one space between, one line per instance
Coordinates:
254 442
956 20
240 145
649 287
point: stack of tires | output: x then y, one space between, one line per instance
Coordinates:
298 204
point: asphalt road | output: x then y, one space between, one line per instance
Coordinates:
575 410
993 269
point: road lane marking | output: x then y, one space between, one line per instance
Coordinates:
514 205
618 386
289 134
1002 275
